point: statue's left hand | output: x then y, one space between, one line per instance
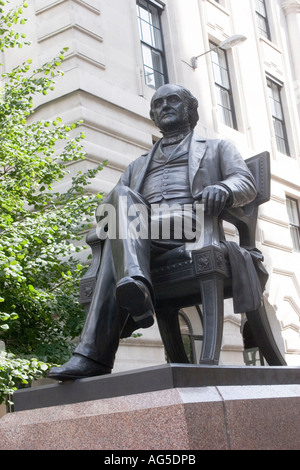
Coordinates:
214 198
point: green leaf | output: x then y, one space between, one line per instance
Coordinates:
42 228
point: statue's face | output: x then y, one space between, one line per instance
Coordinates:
169 108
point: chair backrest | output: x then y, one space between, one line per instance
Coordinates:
259 165
245 218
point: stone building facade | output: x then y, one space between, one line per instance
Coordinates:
120 51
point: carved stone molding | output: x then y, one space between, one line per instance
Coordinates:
42 5
291 6
58 16
76 23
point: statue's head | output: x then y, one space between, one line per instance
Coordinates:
172 107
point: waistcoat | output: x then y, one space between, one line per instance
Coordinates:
167 177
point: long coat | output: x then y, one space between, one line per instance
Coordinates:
210 162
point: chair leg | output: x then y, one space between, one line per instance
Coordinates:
168 324
213 315
260 327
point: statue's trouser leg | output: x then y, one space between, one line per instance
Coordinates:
120 257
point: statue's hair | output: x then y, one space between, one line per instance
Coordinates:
192 104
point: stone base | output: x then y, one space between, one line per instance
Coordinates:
188 416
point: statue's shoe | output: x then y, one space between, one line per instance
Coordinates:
134 296
78 367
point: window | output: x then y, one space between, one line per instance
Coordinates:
252 353
262 19
274 92
223 86
152 43
294 219
189 321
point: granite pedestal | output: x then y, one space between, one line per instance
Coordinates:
168 407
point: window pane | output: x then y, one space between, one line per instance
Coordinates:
252 357
281 145
149 77
147 57
222 59
293 214
225 78
220 68
143 12
158 69
146 35
159 79
186 337
227 117
157 62
292 208
278 128
295 238
157 38
152 58
224 107
217 74
153 67
260 7
262 26
225 99
278 110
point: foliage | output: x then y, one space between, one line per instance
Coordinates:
16 372
10 17
40 227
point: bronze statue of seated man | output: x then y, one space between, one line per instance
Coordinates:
179 170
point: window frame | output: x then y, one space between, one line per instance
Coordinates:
189 337
223 88
265 33
153 48
251 353
294 225
276 105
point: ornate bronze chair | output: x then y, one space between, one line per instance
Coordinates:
204 278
